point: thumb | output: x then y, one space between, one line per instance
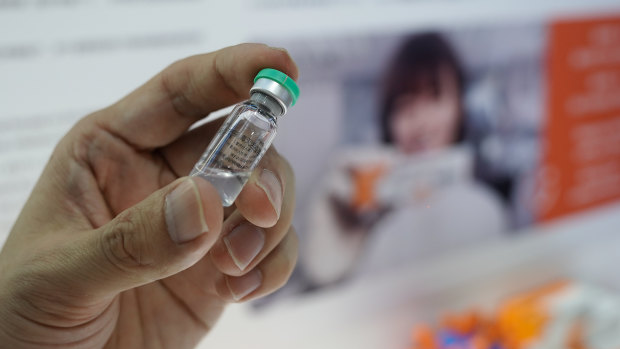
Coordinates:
166 233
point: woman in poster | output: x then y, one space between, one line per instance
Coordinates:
413 197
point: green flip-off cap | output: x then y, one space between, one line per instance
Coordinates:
289 84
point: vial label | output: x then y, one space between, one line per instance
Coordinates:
234 152
238 151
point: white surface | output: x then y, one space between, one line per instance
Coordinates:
379 311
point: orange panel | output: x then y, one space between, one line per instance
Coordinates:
581 163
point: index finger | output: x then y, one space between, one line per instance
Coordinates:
269 195
163 108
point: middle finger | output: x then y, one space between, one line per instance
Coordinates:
243 245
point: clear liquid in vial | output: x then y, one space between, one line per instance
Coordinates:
227 183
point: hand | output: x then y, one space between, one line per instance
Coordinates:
115 249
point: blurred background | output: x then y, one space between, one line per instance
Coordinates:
457 161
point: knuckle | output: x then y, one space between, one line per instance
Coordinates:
123 244
293 241
286 167
283 163
283 58
286 260
270 155
273 160
290 174
175 81
292 250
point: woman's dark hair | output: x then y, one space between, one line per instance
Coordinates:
416 69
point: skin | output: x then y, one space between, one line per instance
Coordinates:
90 262
423 122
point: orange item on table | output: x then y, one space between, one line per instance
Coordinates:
424 337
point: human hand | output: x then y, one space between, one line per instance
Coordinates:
115 249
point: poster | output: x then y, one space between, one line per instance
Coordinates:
417 144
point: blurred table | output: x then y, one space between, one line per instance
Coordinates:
379 312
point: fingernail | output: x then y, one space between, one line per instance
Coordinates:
279 49
244 285
184 213
244 243
270 184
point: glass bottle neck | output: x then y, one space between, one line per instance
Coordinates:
268 102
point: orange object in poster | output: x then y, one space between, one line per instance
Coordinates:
364 180
581 165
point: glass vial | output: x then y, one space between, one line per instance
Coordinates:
246 134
